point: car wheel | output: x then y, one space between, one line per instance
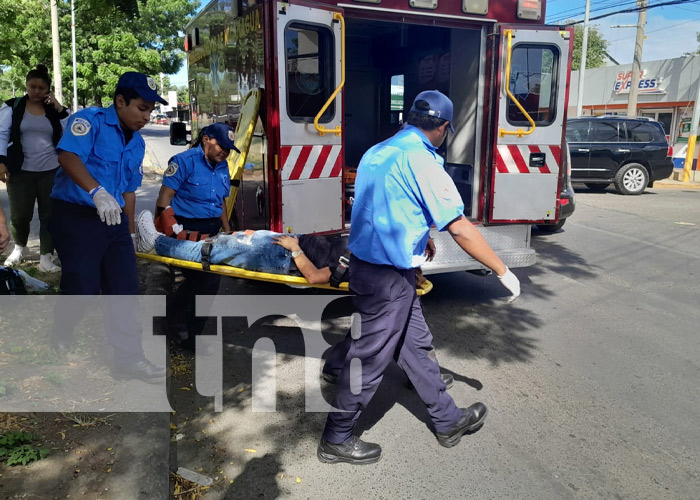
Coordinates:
631 179
551 228
596 188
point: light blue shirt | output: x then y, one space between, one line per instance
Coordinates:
200 188
401 190
97 138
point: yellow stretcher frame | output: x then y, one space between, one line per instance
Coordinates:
237 272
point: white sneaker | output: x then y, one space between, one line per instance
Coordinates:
47 265
15 257
146 233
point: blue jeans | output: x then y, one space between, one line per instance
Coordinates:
253 252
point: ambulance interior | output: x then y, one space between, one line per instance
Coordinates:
385 60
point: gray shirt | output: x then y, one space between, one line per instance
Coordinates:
37 144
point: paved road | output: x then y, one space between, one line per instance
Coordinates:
591 378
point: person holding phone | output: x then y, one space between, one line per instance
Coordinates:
30 128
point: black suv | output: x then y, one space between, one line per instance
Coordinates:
630 152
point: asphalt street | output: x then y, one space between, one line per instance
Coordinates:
590 377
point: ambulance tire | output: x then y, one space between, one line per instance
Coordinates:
596 188
551 228
631 179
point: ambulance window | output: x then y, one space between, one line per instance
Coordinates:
533 82
310 71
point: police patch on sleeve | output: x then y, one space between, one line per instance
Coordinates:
151 83
172 168
80 127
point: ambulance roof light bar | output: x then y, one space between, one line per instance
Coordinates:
530 9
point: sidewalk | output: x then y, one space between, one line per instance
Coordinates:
675 181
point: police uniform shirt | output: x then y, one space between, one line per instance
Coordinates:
400 191
97 138
200 188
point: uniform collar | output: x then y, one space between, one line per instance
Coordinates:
204 158
423 137
111 116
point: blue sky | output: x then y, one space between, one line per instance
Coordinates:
671 31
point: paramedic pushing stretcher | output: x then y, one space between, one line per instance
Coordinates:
195 185
100 155
401 190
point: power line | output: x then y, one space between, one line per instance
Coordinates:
636 9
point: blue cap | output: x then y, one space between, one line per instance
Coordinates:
223 135
440 105
144 85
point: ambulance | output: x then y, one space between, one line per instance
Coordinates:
311 85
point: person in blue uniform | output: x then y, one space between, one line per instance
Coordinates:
101 156
195 185
402 190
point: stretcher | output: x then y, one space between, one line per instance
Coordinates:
236 161
236 272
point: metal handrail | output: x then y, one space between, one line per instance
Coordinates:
320 128
520 132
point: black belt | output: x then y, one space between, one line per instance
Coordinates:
340 271
206 252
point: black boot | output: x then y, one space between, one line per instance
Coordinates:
472 419
353 451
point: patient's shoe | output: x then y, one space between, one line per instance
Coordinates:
146 233
47 265
15 257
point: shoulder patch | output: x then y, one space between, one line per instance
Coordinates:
80 127
172 168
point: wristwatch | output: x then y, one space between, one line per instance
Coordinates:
297 253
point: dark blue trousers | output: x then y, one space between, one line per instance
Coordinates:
393 328
96 259
182 306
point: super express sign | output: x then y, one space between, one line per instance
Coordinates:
647 85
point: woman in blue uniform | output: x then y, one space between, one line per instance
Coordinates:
195 185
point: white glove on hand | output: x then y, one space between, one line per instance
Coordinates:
107 207
511 282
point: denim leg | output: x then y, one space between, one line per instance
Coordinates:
179 249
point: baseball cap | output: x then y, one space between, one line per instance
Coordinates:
144 85
223 135
440 105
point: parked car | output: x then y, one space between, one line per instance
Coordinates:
567 204
629 152
160 120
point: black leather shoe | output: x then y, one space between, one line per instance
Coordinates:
140 370
472 418
447 379
353 451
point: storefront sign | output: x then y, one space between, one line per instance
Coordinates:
647 84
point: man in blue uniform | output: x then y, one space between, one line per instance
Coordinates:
101 156
401 190
195 185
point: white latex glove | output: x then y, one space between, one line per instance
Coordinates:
512 283
107 207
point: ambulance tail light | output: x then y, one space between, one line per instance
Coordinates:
530 9
669 153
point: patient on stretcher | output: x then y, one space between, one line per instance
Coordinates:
317 257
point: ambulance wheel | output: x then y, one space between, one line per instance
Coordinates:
551 228
596 188
631 179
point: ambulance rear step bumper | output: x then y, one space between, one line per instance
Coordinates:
511 243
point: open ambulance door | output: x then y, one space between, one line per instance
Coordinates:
532 94
310 53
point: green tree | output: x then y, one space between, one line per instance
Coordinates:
597 46
111 38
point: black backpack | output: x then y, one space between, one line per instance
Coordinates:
11 282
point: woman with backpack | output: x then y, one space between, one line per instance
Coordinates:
30 128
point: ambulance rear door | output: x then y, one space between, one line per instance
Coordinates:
532 75
309 41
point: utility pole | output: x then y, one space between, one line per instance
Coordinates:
58 81
637 62
584 53
75 71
